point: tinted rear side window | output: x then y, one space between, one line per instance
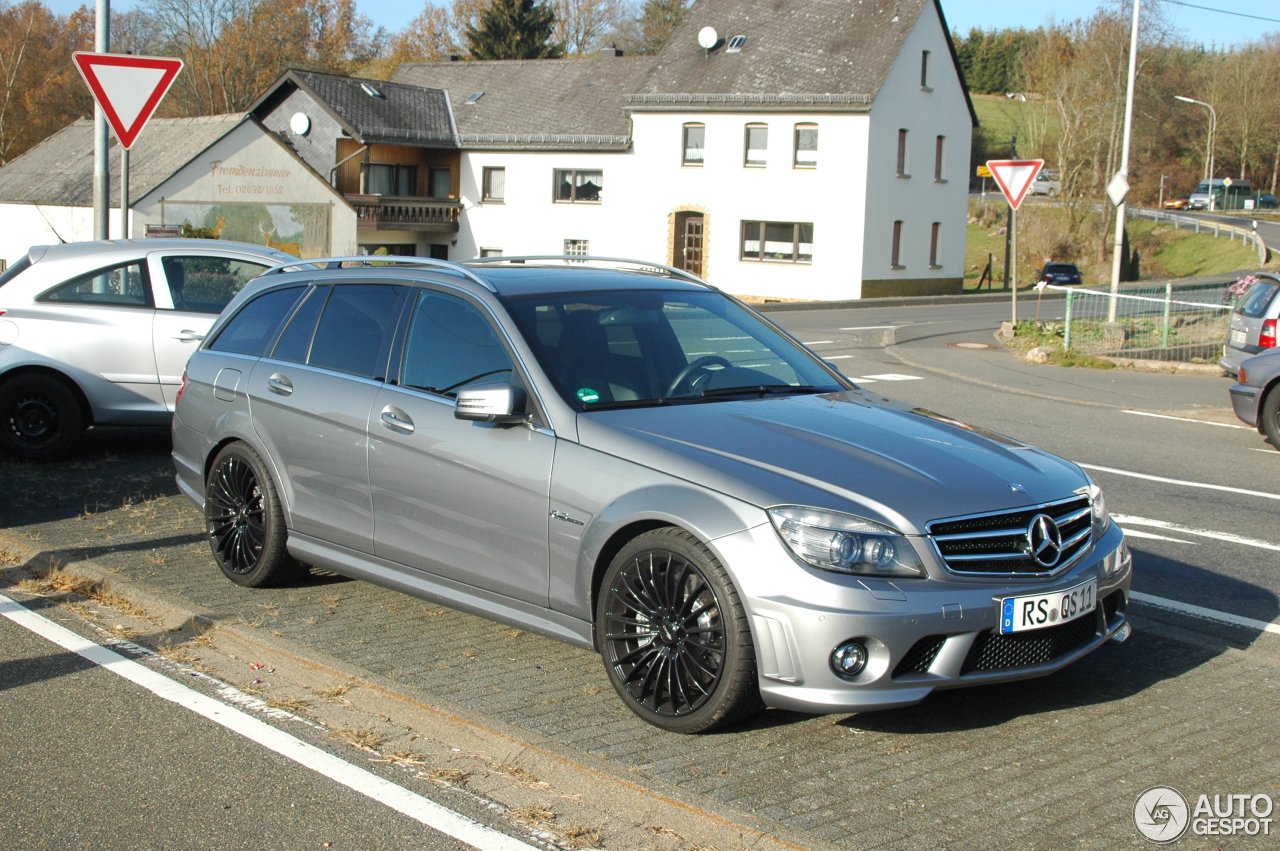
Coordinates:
1258 299
120 286
295 342
354 334
15 270
253 328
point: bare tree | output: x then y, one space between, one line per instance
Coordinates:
586 26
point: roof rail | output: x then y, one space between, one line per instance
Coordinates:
575 259
383 260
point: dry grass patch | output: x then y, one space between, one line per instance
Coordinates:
453 776
532 814
405 759
358 737
336 691
296 705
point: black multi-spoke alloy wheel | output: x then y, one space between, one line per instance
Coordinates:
1269 416
246 524
40 416
674 635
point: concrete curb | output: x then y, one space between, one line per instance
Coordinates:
699 819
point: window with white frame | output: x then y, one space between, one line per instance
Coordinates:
577 247
575 185
695 141
787 242
895 254
933 245
806 146
939 156
494 185
902 154
757 144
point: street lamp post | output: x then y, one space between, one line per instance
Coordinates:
1213 138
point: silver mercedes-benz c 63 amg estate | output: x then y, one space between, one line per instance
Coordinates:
620 456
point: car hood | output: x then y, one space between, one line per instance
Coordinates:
848 451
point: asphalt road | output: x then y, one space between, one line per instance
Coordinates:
92 760
1208 460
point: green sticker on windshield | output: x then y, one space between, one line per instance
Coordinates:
586 395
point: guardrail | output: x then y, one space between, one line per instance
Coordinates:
1246 234
1150 323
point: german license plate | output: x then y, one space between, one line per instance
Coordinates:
1037 611
1237 339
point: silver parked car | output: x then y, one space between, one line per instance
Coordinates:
98 333
1256 395
1252 323
634 462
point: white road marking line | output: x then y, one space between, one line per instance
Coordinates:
1256 449
398 798
819 342
1134 533
870 328
1186 420
895 376
1263 494
1124 520
1209 614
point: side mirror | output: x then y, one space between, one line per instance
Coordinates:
498 402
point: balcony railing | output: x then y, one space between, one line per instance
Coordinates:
401 212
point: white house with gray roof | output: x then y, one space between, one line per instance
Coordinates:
818 149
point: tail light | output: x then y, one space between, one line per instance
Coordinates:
1267 339
181 389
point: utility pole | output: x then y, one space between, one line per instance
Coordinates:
101 167
1118 189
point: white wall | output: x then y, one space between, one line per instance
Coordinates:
644 187
919 201
249 166
25 225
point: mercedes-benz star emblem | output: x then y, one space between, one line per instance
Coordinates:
1044 540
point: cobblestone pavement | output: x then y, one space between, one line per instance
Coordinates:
1046 763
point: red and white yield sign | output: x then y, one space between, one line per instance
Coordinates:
128 88
1014 177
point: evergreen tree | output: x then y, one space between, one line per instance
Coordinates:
658 21
514 29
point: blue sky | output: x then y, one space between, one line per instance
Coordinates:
1206 27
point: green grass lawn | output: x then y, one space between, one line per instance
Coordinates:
1165 252
999 118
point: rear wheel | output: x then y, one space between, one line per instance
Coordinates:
245 521
41 418
1269 416
674 635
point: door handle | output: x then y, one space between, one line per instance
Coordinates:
397 420
280 384
188 336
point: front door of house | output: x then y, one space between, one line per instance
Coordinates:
689 243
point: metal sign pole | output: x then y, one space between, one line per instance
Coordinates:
124 192
1013 263
101 141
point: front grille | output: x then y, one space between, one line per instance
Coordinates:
920 656
992 651
1001 542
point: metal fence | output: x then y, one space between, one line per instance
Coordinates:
1243 231
1163 322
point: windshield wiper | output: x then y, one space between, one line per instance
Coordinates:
759 390
624 403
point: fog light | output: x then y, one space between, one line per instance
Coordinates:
849 659
1122 634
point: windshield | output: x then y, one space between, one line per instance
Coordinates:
641 348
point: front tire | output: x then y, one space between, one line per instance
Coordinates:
1269 416
245 521
674 635
41 418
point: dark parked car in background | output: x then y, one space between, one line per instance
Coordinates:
1060 274
1267 201
1252 323
1256 395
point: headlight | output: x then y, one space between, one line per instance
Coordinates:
1098 507
841 542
